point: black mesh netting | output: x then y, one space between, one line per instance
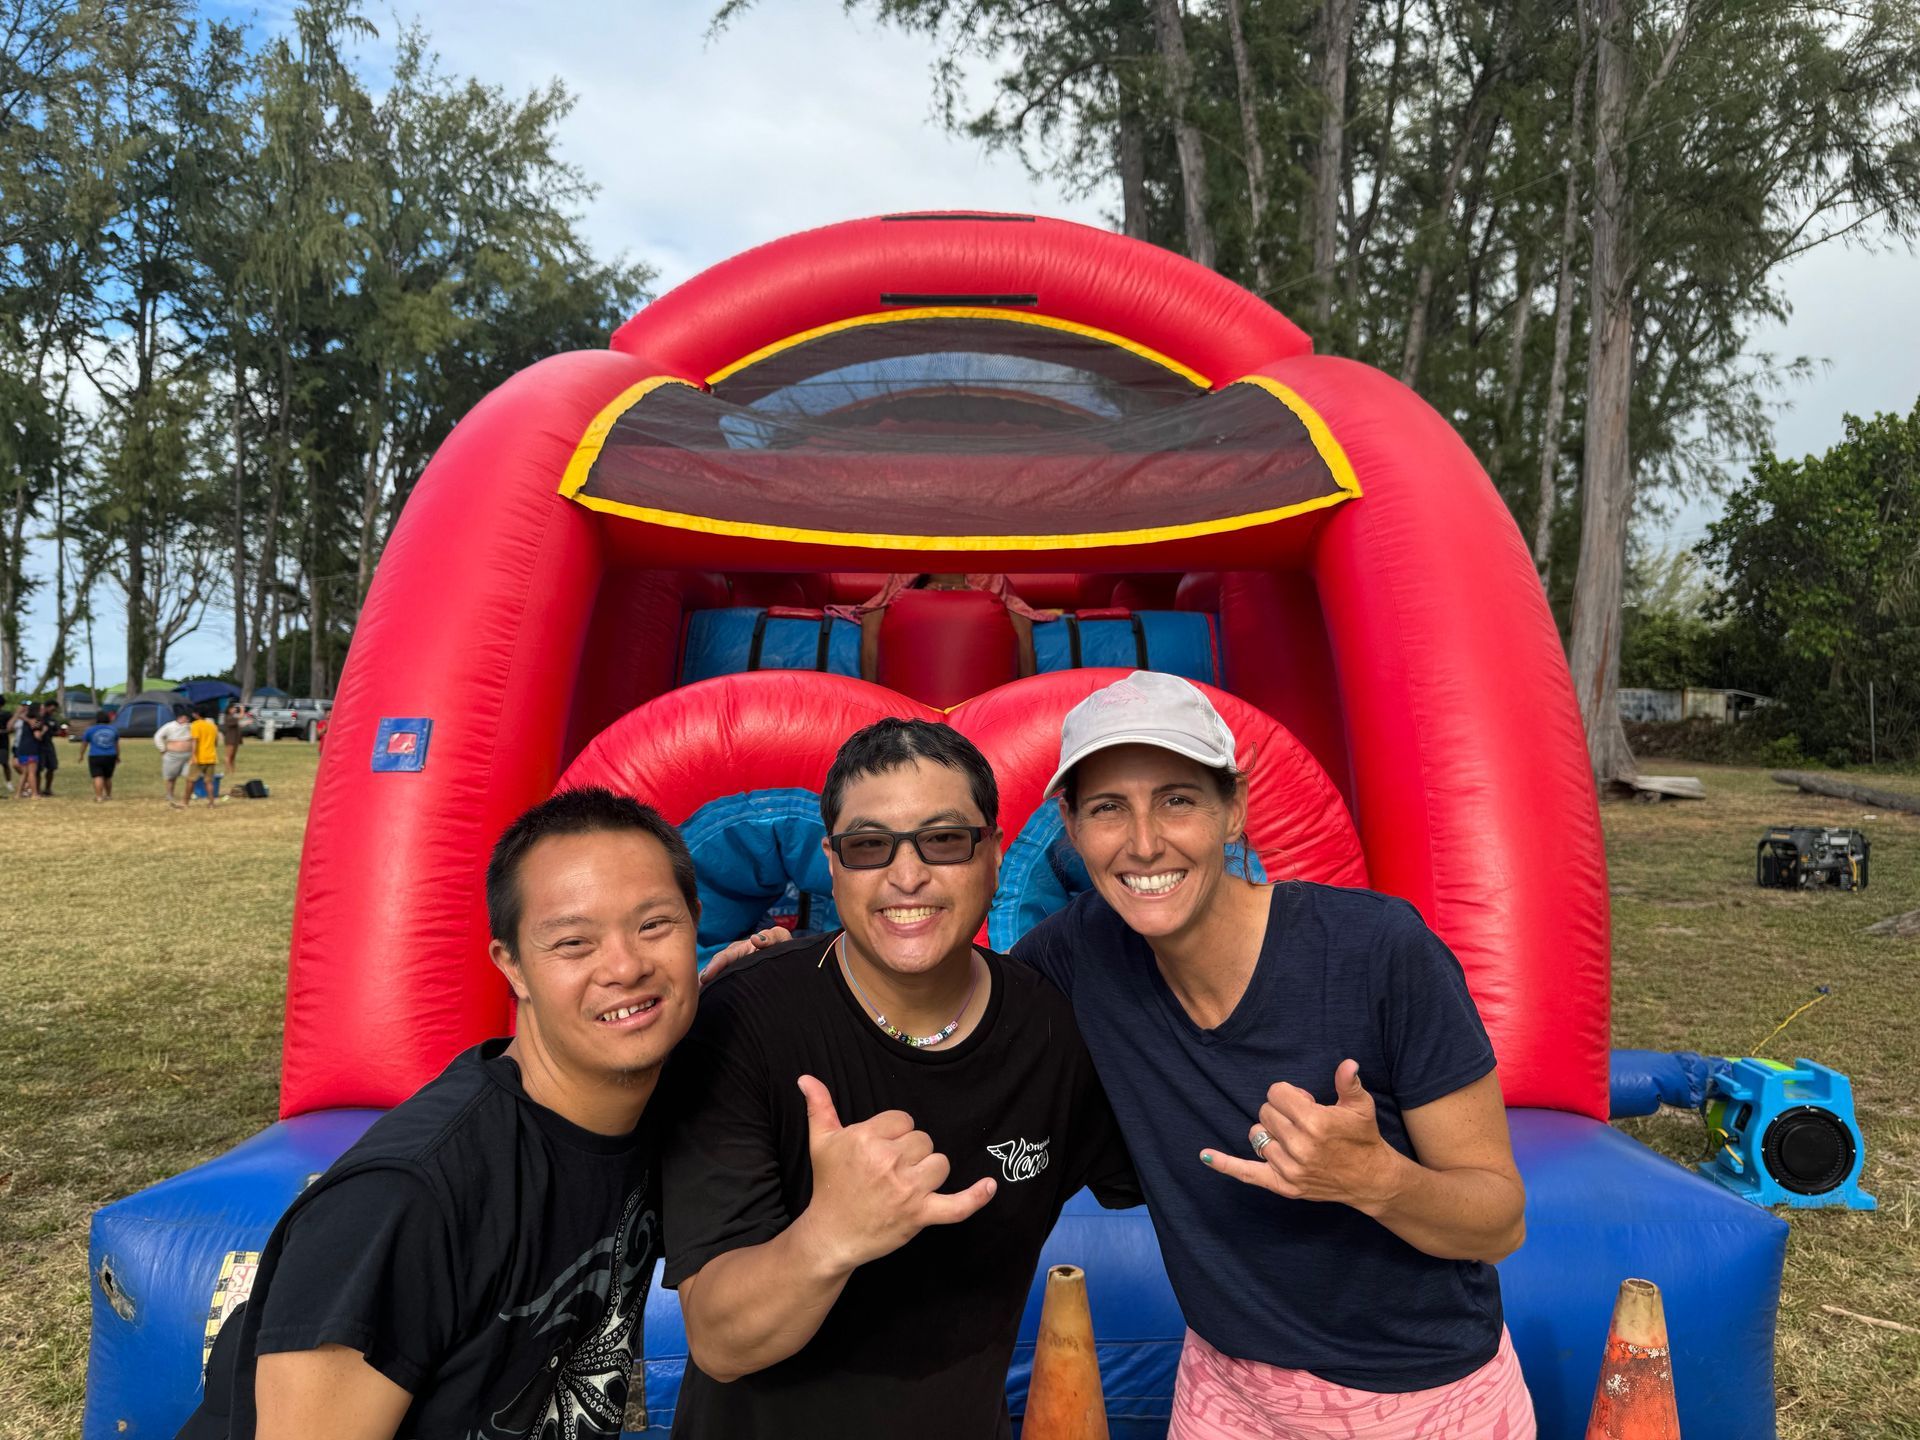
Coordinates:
955 462
1034 369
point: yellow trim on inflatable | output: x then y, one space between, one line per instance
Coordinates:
588 450
1330 449
963 312
795 535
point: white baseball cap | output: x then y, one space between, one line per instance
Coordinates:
1146 708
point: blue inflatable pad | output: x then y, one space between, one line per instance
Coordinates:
1641 1081
758 857
155 1261
1600 1207
721 642
1174 642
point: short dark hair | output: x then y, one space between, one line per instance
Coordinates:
585 811
891 743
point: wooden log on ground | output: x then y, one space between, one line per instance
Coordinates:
1844 790
1904 926
1659 787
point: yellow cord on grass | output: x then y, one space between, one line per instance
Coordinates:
1826 992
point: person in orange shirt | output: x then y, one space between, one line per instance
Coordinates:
206 757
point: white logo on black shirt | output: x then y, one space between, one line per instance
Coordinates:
1021 1159
582 1393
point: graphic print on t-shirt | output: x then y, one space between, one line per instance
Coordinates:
1020 1159
583 1392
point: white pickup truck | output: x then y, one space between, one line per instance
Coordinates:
298 718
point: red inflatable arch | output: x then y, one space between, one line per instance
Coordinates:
766 731
1181 445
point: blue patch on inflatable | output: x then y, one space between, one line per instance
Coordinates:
759 860
1041 872
402 744
723 642
1174 642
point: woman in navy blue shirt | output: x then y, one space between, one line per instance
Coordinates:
1308 1094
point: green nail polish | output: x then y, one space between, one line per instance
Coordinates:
1206 1157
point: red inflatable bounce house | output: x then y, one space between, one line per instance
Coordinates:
625 566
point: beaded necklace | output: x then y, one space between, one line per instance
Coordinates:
917 1041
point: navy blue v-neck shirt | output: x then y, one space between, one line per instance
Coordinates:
1298 1283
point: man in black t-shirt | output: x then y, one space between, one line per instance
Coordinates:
477 1265
876 1131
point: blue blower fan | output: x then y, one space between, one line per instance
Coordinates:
1787 1135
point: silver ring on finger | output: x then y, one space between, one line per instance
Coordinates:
1260 1141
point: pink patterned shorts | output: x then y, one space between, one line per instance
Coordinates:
1219 1398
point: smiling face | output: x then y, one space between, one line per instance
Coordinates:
910 916
1153 830
604 962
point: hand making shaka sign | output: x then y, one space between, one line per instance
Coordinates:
1308 1151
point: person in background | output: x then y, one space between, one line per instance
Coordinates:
49 746
26 751
206 758
230 736
174 741
6 748
103 758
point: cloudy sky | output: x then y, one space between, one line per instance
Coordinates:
800 115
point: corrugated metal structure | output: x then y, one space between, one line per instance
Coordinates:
1694 702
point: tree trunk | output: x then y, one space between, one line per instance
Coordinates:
1526 274
11 574
266 605
373 491
1337 17
139 628
1606 501
316 599
273 636
1133 174
242 636
55 671
1428 273
1562 322
57 661
1250 140
1386 161
1172 39
316 639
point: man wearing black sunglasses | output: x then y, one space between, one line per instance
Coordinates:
874 1143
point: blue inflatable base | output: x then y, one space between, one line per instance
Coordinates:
1600 1208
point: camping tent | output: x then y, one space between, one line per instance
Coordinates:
153 682
201 691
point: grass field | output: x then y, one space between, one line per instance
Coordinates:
143 955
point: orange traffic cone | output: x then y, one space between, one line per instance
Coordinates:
1064 1401
1634 1399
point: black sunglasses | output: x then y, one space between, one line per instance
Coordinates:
935 844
